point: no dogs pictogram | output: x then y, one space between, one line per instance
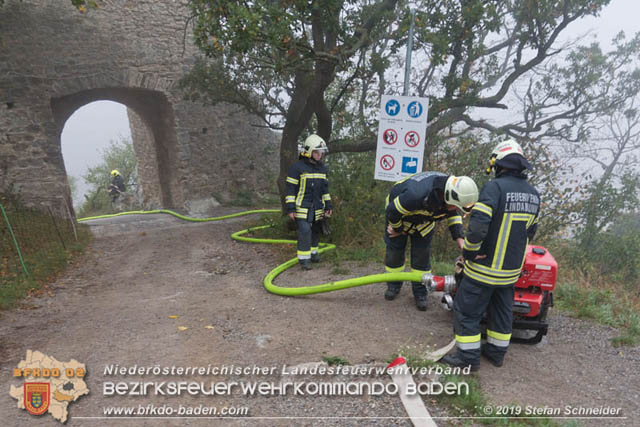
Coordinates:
387 162
390 136
412 138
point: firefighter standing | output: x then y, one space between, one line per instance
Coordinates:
307 198
501 225
117 185
413 207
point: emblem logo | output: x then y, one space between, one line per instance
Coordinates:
37 397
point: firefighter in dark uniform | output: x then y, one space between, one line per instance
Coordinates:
413 207
307 198
501 225
117 185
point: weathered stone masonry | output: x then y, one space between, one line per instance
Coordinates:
54 60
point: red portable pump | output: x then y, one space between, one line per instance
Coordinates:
533 291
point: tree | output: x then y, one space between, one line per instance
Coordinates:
611 168
280 57
322 65
592 86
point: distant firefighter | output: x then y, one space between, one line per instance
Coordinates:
117 185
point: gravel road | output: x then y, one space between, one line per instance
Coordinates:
112 307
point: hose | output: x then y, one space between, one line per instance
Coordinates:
183 217
268 280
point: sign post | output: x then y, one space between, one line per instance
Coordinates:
402 130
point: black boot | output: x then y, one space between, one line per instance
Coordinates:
495 362
305 264
392 292
455 361
421 302
315 257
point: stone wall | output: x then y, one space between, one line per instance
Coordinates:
54 60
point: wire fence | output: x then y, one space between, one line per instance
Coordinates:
33 241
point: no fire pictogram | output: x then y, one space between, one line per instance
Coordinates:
390 136
412 138
387 162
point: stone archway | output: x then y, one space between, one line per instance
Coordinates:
153 132
53 60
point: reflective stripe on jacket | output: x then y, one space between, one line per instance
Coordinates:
501 225
417 202
307 190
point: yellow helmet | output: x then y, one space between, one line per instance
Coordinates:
504 149
461 192
313 143
115 172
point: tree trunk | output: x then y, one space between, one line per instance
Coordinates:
298 115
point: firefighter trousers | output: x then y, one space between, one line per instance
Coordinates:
420 258
471 302
308 238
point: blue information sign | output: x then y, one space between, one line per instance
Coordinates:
392 108
409 164
414 109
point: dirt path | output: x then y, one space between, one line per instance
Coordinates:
113 307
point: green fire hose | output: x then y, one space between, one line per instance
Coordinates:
270 277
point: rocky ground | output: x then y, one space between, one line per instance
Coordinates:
113 304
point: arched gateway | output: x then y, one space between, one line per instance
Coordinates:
54 60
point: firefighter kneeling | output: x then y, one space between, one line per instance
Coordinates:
501 225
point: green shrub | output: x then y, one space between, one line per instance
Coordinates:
613 257
359 203
590 299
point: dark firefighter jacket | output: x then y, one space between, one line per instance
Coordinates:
417 202
501 225
118 183
307 190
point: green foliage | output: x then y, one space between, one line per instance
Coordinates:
40 245
82 5
617 257
118 155
604 304
612 254
590 179
335 360
465 155
606 199
357 225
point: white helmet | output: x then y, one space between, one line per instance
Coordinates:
504 149
461 192
313 143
